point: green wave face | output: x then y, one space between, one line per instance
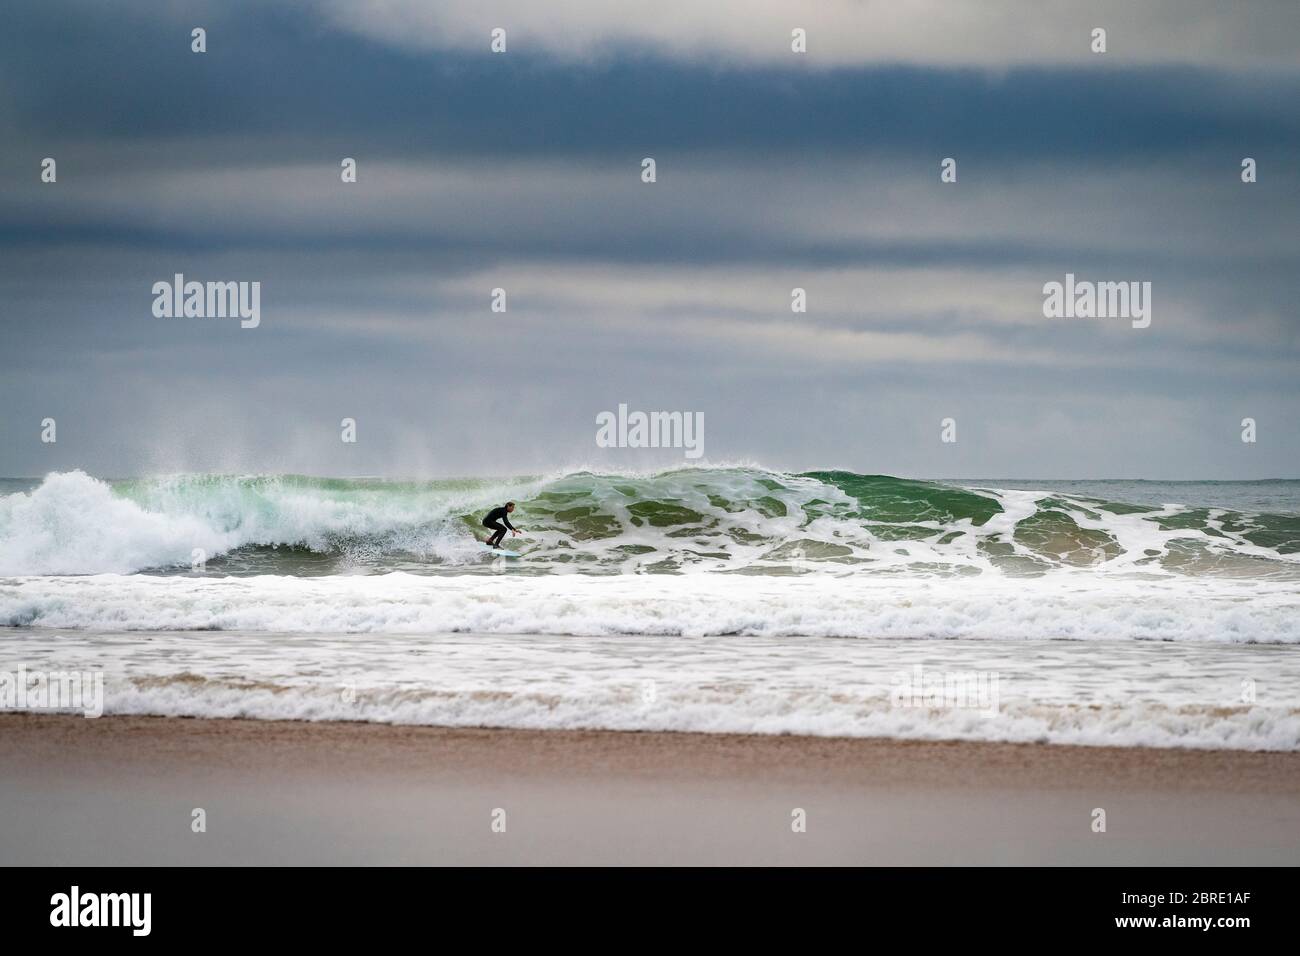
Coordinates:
715 520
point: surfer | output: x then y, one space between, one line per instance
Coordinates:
493 521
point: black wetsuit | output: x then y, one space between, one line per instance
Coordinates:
493 521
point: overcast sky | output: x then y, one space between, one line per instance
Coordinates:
775 170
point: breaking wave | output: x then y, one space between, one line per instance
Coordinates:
719 520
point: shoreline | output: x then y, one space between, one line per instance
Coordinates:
122 789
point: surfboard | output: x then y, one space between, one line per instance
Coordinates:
501 551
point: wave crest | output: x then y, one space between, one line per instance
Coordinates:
741 520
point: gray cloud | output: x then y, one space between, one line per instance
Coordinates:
925 299
988 33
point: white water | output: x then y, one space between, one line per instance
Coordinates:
1067 605
1138 694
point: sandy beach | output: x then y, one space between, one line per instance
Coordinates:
123 790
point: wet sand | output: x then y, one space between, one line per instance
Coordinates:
123 790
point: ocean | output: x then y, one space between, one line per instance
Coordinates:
707 598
